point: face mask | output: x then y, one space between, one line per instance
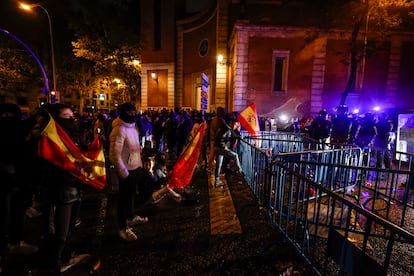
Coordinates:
66 124
127 118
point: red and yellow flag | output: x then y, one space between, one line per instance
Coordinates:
56 147
183 169
249 120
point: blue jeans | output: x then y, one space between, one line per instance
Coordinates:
221 153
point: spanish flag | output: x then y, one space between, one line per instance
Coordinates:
183 169
249 120
88 166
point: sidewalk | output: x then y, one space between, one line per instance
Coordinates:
179 238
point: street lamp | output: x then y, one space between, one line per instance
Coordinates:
29 7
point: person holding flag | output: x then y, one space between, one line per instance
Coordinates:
220 133
66 169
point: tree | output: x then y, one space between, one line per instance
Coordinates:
375 19
120 62
108 38
16 73
75 79
8 68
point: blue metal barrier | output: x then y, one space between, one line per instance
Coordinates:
344 218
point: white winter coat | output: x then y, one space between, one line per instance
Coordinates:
124 149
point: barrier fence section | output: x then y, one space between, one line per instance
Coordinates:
405 162
381 191
343 218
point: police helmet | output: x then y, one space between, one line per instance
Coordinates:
323 112
342 110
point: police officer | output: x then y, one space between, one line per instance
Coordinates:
341 127
382 142
320 128
367 131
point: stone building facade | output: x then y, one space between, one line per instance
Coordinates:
282 68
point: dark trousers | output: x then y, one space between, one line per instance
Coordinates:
60 223
383 156
127 192
12 216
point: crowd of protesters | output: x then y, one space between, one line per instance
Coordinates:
135 146
151 136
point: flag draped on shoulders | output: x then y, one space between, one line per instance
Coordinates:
249 120
57 147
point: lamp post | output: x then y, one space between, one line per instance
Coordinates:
28 7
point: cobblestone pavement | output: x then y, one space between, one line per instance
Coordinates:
177 239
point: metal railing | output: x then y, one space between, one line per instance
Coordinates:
342 217
378 190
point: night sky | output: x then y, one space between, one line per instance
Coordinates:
31 27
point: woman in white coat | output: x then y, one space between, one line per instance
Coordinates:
125 155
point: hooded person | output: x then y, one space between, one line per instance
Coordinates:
62 198
15 191
125 155
127 113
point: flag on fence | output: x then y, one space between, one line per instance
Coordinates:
249 120
56 147
183 169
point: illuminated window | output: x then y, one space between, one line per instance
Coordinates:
280 71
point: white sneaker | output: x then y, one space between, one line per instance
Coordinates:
32 213
218 184
127 234
73 261
176 196
136 220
